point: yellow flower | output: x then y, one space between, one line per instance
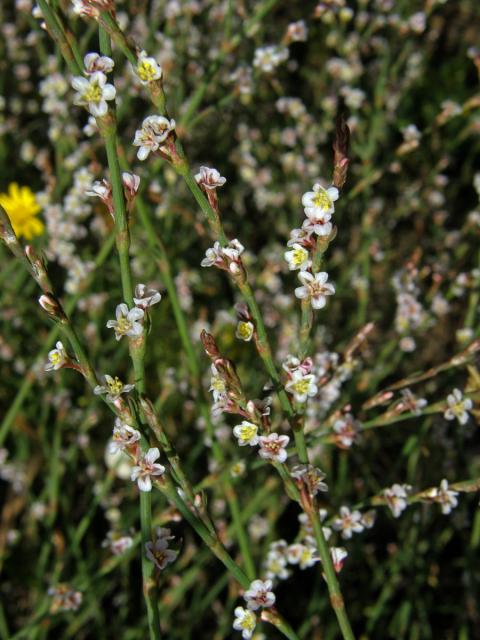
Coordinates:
22 209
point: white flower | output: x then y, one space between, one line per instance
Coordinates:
217 385
113 387
320 224
155 130
56 358
95 62
458 407
93 93
319 201
144 297
313 477
259 595
267 58
227 258
315 288
346 430
338 555
348 522
117 543
131 182
446 497
396 497
297 258
146 468
245 621
303 555
127 322
100 189
123 436
246 433
302 386
209 178
272 447
245 330
158 551
148 69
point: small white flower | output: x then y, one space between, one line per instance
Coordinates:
338 555
158 551
246 433
311 476
319 224
315 288
217 385
396 497
297 258
447 498
245 621
345 431
144 297
272 447
146 468
131 182
95 62
148 69
123 436
117 543
226 258
259 595
303 555
153 133
100 189
348 522
93 93
458 407
113 387
319 201
269 57
245 330
209 178
56 358
127 322
302 386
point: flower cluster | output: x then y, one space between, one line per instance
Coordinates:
258 596
152 135
227 258
319 207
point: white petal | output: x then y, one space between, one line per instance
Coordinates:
319 302
145 483
143 152
152 455
79 83
109 92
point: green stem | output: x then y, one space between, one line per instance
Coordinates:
336 598
136 347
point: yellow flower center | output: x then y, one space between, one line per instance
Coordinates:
55 357
22 209
93 93
248 622
247 432
218 385
299 256
123 325
146 71
301 386
245 330
322 200
115 386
